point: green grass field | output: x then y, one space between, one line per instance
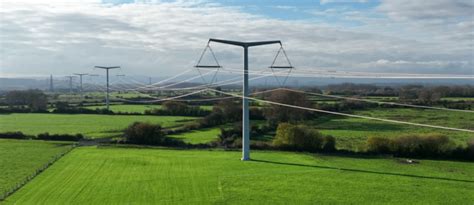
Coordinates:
90 175
93 126
127 108
137 108
20 158
202 136
351 133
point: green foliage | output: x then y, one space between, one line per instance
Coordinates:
36 100
277 113
66 108
422 145
144 133
302 138
224 112
230 138
42 136
178 109
470 149
14 135
140 109
352 133
329 143
413 145
60 137
163 176
379 145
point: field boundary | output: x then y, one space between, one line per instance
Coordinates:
30 177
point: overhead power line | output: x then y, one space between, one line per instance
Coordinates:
344 74
378 102
166 99
347 115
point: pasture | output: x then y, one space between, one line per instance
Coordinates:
113 175
92 126
351 133
20 158
201 136
136 108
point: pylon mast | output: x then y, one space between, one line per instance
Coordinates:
80 80
70 82
51 85
107 73
245 91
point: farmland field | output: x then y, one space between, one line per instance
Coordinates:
90 175
20 158
127 108
351 133
136 108
93 126
198 136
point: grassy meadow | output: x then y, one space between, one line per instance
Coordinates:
136 108
112 175
92 126
202 136
20 158
351 133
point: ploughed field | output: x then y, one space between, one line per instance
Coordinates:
126 175
90 125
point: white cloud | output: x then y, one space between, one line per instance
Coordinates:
164 38
442 10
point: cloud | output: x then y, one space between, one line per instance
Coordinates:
442 10
164 38
342 1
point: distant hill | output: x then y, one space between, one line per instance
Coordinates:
22 83
35 83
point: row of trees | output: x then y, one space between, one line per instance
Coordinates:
33 100
42 136
413 90
302 138
420 145
178 108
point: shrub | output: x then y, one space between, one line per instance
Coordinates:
329 143
414 145
380 145
294 137
35 99
423 145
144 133
229 138
470 149
14 135
64 108
215 118
178 108
277 113
60 137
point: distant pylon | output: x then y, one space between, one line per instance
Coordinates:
70 77
107 68
51 85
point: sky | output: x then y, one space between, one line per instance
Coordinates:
159 38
